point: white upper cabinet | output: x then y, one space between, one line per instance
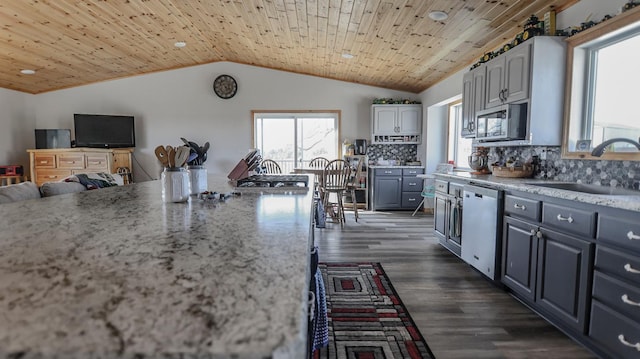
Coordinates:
396 123
472 99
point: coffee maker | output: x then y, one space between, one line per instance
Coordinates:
361 146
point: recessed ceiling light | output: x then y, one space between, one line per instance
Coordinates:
28 72
347 56
438 15
180 44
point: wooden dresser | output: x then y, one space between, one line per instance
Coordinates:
50 165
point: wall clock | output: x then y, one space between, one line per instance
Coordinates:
225 86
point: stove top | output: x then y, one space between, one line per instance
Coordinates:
273 180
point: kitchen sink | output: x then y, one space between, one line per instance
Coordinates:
587 188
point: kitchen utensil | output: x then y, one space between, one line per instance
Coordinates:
182 154
171 155
161 154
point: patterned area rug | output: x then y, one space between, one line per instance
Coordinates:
367 319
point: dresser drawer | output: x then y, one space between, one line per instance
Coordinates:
388 172
44 161
621 231
97 162
569 219
52 175
412 171
411 184
71 161
442 186
618 264
522 207
614 331
617 294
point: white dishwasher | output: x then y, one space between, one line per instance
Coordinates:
481 228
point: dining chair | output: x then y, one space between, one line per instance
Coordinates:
336 176
318 162
270 167
354 184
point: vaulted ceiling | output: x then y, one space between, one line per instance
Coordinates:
394 43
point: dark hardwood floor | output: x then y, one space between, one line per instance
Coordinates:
460 314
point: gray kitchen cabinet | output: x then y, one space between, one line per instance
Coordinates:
615 314
396 188
411 188
396 123
472 99
448 215
507 76
547 259
386 189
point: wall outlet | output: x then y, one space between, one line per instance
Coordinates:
543 154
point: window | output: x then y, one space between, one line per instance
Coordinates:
602 70
458 147
293 139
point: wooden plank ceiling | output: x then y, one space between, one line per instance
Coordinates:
394 43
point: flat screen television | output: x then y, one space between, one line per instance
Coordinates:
104 131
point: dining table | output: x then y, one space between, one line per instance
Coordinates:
118 273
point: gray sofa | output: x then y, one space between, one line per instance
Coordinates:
29 190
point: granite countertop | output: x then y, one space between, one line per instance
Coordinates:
524 184
394 166
117 273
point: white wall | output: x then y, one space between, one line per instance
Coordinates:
181 103
435 98
16 128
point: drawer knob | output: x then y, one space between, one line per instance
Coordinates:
520 206
630 269
565 219
632 236
626 300
625 342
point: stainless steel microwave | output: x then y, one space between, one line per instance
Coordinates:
506 123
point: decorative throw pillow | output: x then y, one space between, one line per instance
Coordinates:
19 192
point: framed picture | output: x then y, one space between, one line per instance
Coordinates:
583 145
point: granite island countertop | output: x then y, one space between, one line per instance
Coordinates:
524 184
117 273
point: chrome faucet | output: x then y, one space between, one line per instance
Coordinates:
599 149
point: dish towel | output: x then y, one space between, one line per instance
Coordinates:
321 336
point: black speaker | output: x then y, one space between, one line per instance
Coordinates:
53 138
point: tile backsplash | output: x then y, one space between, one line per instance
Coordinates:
601 172
402 153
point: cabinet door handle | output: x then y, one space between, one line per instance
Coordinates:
626 300
567 219
388 172
632 236
520 206
533 232
625 342
630 269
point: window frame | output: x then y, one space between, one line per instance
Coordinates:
336 114
455 135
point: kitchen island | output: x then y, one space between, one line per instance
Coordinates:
117 273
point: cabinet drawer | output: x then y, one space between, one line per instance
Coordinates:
617 294
618 264
45 161
411 184
412 171
388 172
614 331
442 186
411 200
456 189
52 175
97 162
621 231
71 161
522 207
569 219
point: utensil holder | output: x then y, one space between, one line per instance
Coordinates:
176 186
198 179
